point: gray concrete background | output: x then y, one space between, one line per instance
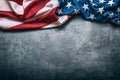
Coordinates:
79 50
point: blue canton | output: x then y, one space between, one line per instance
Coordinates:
98 10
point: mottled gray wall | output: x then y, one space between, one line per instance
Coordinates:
79 50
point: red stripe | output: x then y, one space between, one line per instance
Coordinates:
69 16
9 14
20 2
43 21
1 16
34 7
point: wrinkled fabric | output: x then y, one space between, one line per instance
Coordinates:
39 14
30 14
98 10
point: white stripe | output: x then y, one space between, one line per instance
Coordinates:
18 9
26 3
48 7
6 23
61 20
4 6
45 10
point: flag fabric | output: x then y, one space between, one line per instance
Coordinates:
39 14
30 14
97 10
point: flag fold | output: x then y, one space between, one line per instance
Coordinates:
39 14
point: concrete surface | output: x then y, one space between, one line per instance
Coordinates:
79 50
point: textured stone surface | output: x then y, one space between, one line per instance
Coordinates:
79 50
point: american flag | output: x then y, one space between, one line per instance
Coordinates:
38 14
30 14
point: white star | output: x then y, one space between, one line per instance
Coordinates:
92 17
68 5
118 22
111 2
101 10
118 10
59 11
93 4
111 15
76 11
85 7
91 0
101 1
